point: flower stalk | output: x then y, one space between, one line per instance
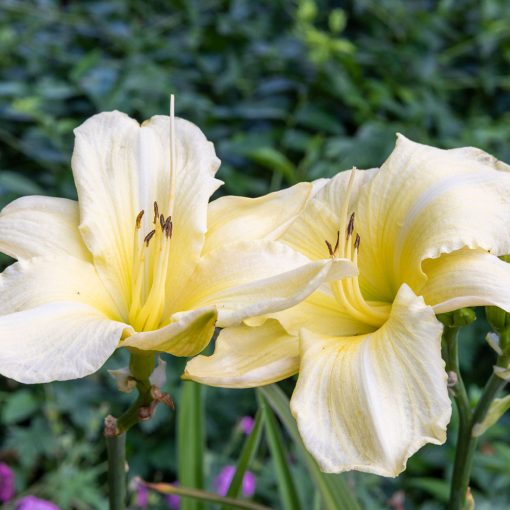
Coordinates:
116 446
468 418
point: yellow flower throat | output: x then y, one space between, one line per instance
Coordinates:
347 292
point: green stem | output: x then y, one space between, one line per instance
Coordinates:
116 447
466 442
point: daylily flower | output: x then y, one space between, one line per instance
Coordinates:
424 231
126 265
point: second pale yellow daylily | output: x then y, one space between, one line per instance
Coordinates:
425 231
130 264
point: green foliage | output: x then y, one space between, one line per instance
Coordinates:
288 91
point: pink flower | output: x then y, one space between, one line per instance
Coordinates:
142 496
33 503
6 483
246 424
224 479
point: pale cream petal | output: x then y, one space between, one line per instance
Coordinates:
121 168
257 277
56 342
466 278
426 201
321 219
186 335
320 313
37 281
245 357
233 219
36 226
369 402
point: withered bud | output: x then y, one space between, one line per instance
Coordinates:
356 242
156 213
350 225
330 248
139 219
148 237
110 426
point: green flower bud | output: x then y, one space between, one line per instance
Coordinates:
498 318
457 318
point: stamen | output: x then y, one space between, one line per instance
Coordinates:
350 226
337 241
139 219
148 237
168 228
330 248
156 213
162 221
357 242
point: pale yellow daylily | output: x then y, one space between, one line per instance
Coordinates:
425 231
126 265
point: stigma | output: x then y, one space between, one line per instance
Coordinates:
348 292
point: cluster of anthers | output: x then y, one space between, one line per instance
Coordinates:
347 292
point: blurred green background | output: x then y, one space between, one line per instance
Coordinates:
287 91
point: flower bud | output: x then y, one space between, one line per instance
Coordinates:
458 318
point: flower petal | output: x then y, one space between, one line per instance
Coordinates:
121 168
320 313
369 402
245 357
424 202
466 278
257 277
233 219
37 226
56 342
35 282
187 334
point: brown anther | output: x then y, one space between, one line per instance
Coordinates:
162 221
350 225
139 219
156 213
330 248
168 228
337 244
357 242
148 237
110 426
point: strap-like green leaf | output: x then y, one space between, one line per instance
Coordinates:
190 441
288 493
249 450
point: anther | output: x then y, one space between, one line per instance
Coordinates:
168 228
148 237
330 248
156 213
139 219
162 221
350 226
337 244
356 242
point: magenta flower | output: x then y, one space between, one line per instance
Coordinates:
142 496
6 483
224 479
246 424
173 501
33 503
